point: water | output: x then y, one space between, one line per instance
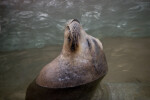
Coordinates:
31 35
38 23
128 75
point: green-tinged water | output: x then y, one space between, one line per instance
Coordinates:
31 36
38 23
127 78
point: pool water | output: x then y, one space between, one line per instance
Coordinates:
127 78
31 36
38 23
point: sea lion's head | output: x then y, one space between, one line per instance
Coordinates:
73 35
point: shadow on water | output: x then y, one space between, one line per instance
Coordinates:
82 92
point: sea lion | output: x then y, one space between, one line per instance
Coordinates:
81 62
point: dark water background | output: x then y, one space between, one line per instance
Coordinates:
31 35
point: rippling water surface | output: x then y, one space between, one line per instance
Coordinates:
31 36
36 23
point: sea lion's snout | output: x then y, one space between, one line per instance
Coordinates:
73 34
76 20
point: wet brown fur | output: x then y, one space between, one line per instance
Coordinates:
81 61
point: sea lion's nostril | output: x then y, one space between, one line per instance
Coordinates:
76 20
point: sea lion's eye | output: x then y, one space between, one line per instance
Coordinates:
69 39
68 29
